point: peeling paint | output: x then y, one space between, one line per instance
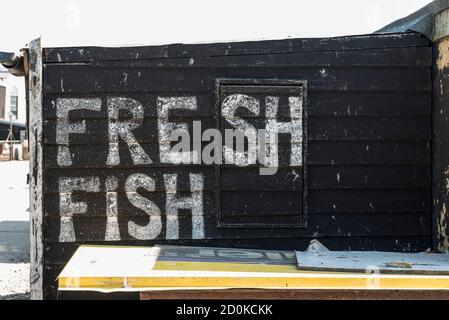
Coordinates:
443 54
442 230
443 218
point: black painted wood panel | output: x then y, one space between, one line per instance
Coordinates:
367 168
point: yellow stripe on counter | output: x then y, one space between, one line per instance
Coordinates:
304 281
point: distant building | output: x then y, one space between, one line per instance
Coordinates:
12 97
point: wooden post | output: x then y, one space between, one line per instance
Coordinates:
440 146
34 59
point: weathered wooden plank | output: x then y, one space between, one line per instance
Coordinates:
148 131
93 229
398 57
95 156
342 201
328 177
321 103
319 153
403 128
319 201
368 152
249 179
91 79
121 176
205 106
86 54
319 128
368 177
260 203
244 180
368 200
359 104
273 204
232 178
96 202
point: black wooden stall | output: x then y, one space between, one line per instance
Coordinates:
365 179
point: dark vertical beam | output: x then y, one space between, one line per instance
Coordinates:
441 134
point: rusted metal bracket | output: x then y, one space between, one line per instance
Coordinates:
13 62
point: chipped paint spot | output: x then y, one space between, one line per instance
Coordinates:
443 219
296 175
443 54
442 229
125 79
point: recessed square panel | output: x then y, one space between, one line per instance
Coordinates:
261 182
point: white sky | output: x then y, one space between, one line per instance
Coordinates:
132 22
